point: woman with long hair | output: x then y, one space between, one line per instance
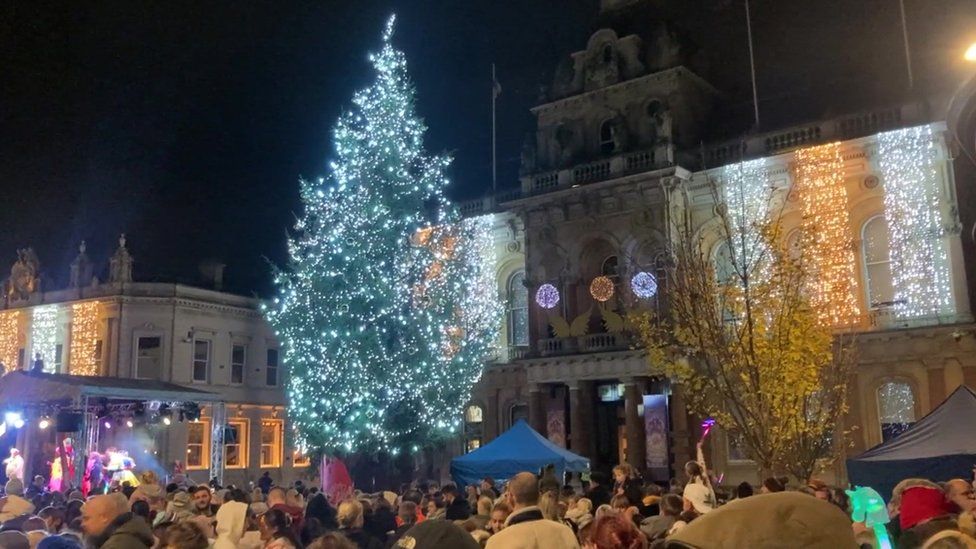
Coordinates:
276 532
698 493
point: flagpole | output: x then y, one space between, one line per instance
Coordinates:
908 51
494 164
752 66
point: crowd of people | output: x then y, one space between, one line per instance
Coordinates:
532 510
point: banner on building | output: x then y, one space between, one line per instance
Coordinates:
556 424
656 436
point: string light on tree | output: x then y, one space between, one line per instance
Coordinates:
644 285
9 342
44 333
913 198
388 307
547 296
829 252
747 192
601 288
84 336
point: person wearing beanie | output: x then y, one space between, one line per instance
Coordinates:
14 503
921 504
436 534
59 542
12 539
771 485
784 519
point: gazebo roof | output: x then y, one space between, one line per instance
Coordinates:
32 388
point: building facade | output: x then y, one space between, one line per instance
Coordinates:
619 159
188 336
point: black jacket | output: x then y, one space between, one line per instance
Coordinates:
459 509
599 495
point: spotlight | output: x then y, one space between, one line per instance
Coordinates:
167 420
13 418
44 423
107 424
128 423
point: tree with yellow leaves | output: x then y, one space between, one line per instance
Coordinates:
744 344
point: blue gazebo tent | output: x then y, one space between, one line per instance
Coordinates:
938 447
519 449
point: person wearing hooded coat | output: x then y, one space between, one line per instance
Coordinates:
231 525
318 507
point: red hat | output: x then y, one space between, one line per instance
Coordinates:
920 504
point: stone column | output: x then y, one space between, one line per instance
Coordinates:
580 419
859 441
491 415
682 447
537 408
634 424
937 388
969 376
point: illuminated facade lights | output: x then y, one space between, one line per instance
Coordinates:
9 340
644 285
747 194
84 337
601 288
44 333
916 229
547 296
828 244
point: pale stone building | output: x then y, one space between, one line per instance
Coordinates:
168 337
620 153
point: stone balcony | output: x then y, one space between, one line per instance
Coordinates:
592 343
806 135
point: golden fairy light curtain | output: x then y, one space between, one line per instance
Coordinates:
829 245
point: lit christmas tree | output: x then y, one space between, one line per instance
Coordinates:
388 307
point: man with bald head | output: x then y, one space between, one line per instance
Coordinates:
960 493
108 524
526 528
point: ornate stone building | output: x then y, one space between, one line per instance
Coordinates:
168 336
621 153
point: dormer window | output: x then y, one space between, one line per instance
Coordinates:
607 142
607 53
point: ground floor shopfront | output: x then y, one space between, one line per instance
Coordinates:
614 407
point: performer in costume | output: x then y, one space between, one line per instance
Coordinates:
92 483
54 485
15 465
69 453
120 466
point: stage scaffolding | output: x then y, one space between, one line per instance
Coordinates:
41 394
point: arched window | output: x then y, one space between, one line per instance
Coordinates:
517 298
896 408
654 110
724 268
611 269
473 427
607 142
877 262
725 275
607 53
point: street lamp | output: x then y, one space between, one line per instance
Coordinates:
970 54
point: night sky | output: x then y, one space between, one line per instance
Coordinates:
186 125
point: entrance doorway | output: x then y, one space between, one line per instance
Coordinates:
609 425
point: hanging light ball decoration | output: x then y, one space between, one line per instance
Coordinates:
547 296
644 285
601 288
